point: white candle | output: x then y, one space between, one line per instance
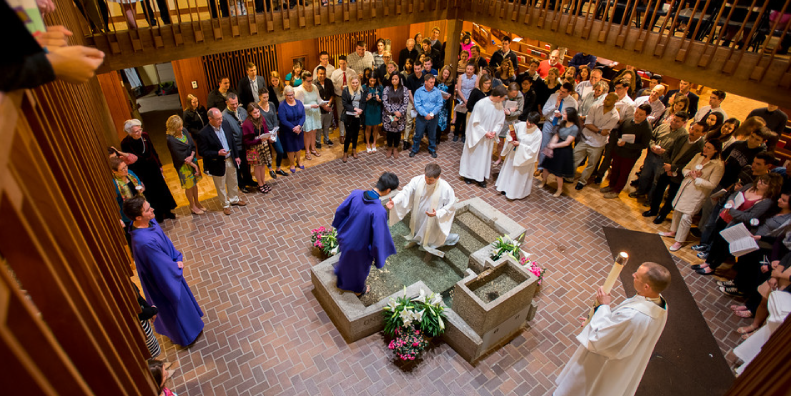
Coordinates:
615 271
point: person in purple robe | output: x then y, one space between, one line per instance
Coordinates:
363 235
160 269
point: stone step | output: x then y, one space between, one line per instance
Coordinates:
478 227
458 260
468 242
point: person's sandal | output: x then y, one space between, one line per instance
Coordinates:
367 289
730 291
743 314
746 330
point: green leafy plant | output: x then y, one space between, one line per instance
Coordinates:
326 239
506 245
424 312
411 320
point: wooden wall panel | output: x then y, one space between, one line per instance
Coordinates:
61 240
343 44
286 53
117 102
397 36
232 65
187 71
33 362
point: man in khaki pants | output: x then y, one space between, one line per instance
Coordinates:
220 159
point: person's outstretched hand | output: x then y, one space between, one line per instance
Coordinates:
55 36
389 205
75 64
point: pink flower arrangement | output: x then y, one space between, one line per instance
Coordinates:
408 344
534 268
325 239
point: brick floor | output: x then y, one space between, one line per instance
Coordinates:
266 334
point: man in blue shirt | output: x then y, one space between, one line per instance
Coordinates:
581 58
428 102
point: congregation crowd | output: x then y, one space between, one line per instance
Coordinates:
558 115
547 121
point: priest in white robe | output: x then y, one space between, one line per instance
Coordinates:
516 175
485 123
617 344
433 205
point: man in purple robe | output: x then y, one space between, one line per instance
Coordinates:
363 235
160 269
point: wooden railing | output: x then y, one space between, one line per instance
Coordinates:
709 41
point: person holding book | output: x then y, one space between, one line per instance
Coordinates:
742 207
520 152
700 176
308 94
750 268
514 103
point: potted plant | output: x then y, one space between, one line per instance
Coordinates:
325 239
534 269
506 245
412 322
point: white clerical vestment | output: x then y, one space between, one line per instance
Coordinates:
616 347
419 198
476 157
516 174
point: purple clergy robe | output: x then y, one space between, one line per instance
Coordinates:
363 237
163 282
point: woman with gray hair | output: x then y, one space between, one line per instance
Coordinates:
149 169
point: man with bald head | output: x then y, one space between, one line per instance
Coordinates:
600 121
617 343
587 86
553 61
654 100
410 52
221 158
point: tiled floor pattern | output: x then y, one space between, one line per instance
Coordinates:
266 333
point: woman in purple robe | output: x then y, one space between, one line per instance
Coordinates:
363 235
160 268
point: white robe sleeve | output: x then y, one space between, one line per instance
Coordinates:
529 145
447 210
402 202
614 335
476 128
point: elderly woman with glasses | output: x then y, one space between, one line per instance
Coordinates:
292 117
149 169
